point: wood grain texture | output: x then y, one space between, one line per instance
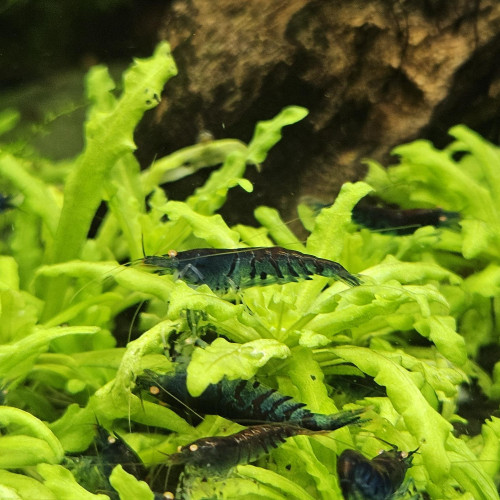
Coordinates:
373 74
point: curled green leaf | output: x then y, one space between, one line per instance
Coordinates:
128 487
225 359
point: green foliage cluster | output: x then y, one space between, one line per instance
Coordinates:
414 328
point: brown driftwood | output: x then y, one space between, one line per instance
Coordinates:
373 73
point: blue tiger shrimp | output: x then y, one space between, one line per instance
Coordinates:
243 401
226 269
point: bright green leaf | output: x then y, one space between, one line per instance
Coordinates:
212 228
268 133
128 487
26 487
222 358
64 486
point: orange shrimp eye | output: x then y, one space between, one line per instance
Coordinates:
168 495
403 454
193 447
172 253
154 390
111 440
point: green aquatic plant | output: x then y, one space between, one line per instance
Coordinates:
411 330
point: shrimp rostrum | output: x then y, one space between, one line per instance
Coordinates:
226 269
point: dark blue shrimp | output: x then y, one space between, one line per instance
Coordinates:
372 214
376 479
218 454
242 401
401 221
113 450
93 472
226 269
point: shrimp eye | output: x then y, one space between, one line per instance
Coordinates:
193 447
172 253
111 440
154 390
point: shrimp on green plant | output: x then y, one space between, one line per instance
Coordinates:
225 270
218 454
242 401
375 479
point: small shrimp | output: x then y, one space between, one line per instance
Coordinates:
113 450
220 453
226 269
242 401
376 479
93 472
372 214
401 221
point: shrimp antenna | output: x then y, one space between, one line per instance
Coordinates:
142 246
129 406
384 441
165 484
134 317
393 446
